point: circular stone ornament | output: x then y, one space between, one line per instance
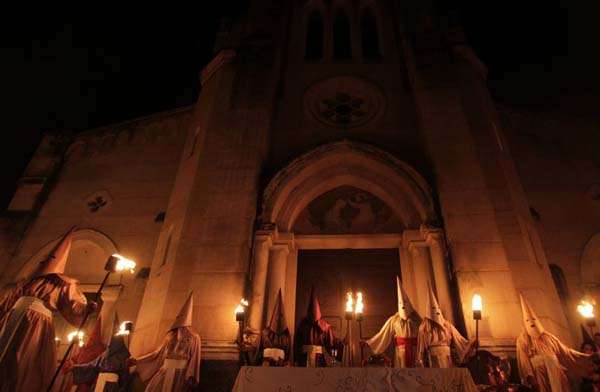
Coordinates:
344 102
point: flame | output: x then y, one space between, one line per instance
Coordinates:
124 264
586 309
349 302
360 306
241 308
477 303
123 329
76 335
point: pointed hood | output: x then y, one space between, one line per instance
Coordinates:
184 318
117 346
93 347
314 309
533 325
57 258
405 308
587 338
277 323
96 334
434 312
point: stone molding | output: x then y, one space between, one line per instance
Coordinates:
360 161
167 126
222 58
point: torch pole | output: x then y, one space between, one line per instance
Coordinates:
241 341
360 338
72 343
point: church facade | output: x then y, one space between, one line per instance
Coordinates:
334 144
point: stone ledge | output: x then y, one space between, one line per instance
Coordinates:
221 350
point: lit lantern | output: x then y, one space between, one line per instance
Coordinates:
349 306
360 306
76 335
477 306
586 309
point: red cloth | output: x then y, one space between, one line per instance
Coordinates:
410 349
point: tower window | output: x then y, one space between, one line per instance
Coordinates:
369 34
342 44
314 36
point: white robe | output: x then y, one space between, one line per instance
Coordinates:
435 342
396 327
545 360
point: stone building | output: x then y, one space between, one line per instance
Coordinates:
336 144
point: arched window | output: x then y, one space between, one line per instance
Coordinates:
560 283
314 36
369 34
165 257
342 45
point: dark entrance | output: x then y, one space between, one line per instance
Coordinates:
335 272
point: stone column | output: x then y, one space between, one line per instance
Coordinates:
259 281
277 275
437 249
422 270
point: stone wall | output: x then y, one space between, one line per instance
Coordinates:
559 164
113 184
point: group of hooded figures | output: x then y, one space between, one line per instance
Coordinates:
432 341
28 348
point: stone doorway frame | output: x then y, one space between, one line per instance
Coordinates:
421 245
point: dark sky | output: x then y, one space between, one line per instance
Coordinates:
74 72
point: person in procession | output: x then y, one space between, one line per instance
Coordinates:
27 338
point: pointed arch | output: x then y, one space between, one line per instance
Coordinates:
369 34
347 163
342 40
315 35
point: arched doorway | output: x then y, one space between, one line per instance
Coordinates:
341 197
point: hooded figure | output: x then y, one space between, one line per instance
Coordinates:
401 329
91 350
27 345
314 336
108 371
175 365
276 340
437 337
543 360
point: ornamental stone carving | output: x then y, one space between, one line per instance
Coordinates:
344 102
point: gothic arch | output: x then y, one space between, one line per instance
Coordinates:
347 163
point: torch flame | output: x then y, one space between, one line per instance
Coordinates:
586 309
360 306
349 302
241 308
477 303
76 335
123 331
124 263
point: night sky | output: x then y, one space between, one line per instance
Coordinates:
63 71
